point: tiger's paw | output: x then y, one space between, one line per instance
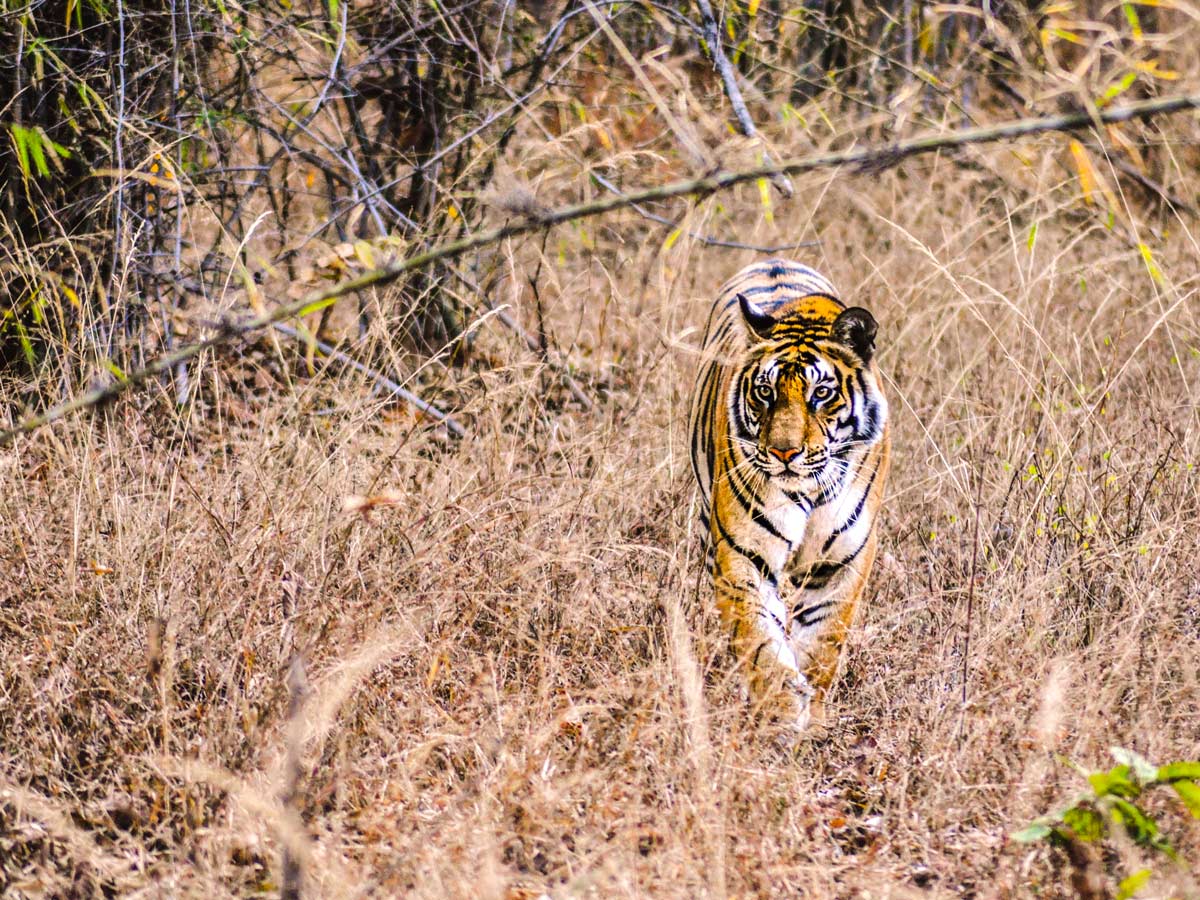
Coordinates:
803 714
816 729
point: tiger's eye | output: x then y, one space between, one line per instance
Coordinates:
763 392
822 393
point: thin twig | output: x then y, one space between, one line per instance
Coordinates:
181 383
1173 201
451 424
866 159
712 37
514 104
119 232
697 236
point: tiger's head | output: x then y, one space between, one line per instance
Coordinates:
808 395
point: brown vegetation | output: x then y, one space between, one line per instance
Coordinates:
506 680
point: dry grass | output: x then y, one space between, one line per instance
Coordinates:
516 686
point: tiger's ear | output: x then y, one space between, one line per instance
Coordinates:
855 328
759 322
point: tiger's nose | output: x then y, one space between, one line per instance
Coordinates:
784 454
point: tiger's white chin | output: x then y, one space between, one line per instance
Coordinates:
808 481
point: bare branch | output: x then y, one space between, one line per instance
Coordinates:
1173 201
528 339
712 37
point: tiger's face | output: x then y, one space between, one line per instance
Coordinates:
808 395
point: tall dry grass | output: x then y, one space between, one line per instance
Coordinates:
516 685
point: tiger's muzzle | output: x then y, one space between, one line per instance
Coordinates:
782 462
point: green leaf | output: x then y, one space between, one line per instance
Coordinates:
26 344
1139 826
1176 770
1115 782
1087 824
67 116
30 144
1134 883
1189 793
56 147
317 306
1035 831
1143 770
1131 16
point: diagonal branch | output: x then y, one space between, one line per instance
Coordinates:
695 235
862 160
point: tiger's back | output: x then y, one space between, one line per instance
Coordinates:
790 448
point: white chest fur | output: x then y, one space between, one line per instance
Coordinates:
835 531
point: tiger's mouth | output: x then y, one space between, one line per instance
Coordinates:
797 471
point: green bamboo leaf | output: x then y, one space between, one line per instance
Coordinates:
316 306
26 344
1116 90
67 116
38 154
35 307
1131 16
20 139
58 148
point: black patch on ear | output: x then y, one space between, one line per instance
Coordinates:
760 323
855 328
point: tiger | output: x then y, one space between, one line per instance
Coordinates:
790 445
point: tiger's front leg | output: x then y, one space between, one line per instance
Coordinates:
751 607
820 620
